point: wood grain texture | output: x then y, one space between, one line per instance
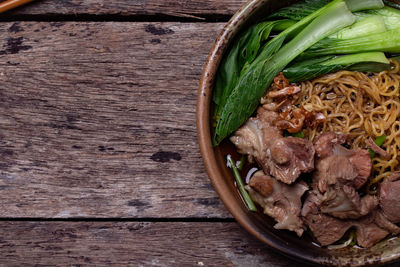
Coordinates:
98 120
133 244
179 8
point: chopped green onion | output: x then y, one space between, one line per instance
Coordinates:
240 163
379 142
245 195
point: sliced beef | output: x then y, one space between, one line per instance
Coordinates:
288 157
384 223
325 142
326 229
389 200
283 158
361 159
279 200
368 232
374 147
333 170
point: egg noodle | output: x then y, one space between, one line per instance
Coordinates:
361 105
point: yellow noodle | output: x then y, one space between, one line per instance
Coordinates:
362 105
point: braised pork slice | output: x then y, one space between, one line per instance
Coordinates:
279 200
326 229
283 158
389 200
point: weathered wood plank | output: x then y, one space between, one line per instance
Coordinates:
98 120
133 244
180 8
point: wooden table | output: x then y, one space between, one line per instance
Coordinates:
99 157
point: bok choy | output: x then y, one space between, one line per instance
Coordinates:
313 37
258 76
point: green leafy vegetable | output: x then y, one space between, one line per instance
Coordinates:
304 8
388 41
258 76
390 16
239 182
244 51
309 69
356 5
300 10
379 142
369 25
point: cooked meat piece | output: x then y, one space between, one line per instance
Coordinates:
254 137
361 159
368 232
279 200
384 223
288 157
325 142
374 147
389 199
326 229
336 179
286 91
248 139
262 183
345 203
333 169
283 158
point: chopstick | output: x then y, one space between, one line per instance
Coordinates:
10 4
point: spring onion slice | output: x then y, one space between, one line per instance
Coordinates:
245 195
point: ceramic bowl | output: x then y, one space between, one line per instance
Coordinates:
258 224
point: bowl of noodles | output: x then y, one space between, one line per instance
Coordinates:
298 118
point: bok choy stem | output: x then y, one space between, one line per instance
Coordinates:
388 41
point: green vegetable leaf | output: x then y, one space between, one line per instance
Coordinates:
309 69
388 41
300 10
243 52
